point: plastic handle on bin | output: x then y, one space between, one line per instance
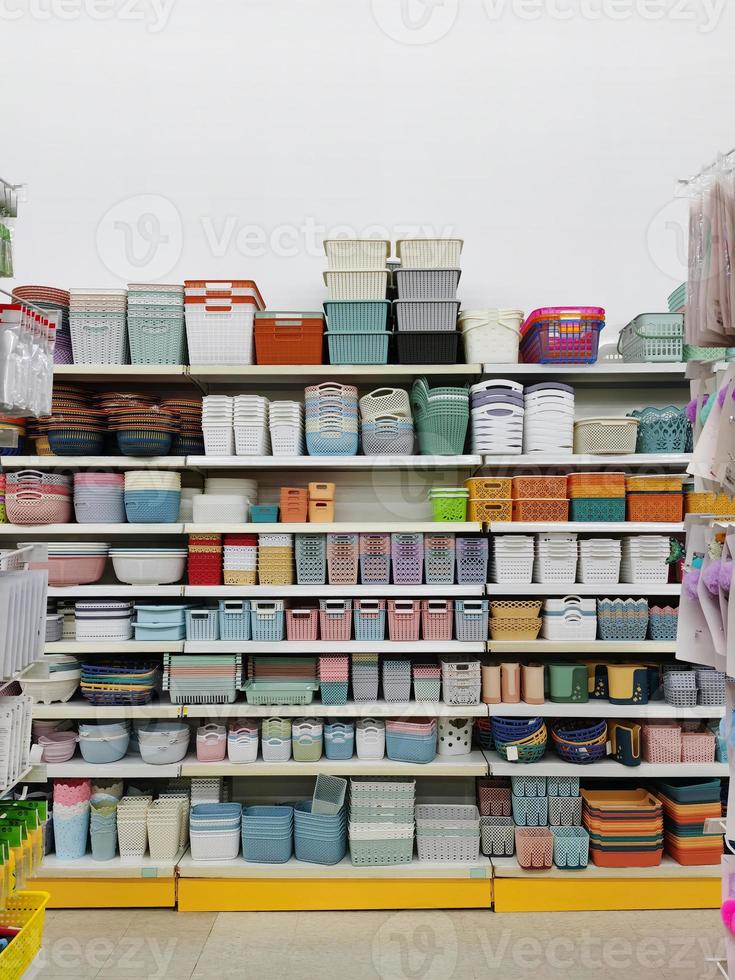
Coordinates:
572 600
300 613
404 607
370 607
437 605
233 606
334 606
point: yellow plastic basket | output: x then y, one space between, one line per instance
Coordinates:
709 503
26 911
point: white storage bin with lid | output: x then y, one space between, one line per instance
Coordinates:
571 618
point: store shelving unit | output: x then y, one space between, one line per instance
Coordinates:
239 885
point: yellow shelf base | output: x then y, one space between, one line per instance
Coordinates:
321 895
108 893
578 894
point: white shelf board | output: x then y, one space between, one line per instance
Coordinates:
127 646
338 591
94 462
331 646
585 527
372 527
21 531
233 374
603 709
79 708
548 589
120 372
473 764
574 460
118 867
239 868
552 765
333 462
371 709
645 648
131 767
620 372
508 868
114 589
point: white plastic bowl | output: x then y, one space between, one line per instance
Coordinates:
45 688
155 570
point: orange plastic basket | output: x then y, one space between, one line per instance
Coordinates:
543 509
596 485
294 340
294 505
653 484
664 507
489 510
488 488
535 487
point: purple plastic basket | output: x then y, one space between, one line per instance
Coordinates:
407 555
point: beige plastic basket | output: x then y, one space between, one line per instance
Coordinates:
605 436
429 253
347 254
516 608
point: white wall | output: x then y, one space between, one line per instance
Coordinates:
551 146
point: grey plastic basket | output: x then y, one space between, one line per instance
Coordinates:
426 314
427 283
565 811
202 624
498 836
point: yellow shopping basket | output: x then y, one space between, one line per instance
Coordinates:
25 911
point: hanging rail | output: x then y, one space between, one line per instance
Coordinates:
706 169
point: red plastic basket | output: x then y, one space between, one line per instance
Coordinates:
286 338
335 619
302 624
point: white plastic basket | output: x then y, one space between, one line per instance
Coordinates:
370 739
356 253
571 625
220 332
357 284
252 440
429 253
605 436
219 440
99 339
215 845
491 335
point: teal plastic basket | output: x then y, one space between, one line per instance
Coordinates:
358 347
157 339
663 430
587 509
357 316
571 847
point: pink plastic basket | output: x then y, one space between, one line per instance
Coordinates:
662 743
343 558
75 571
699 747
437 619
211 744
335 619
494 797
534 847
302 624
38 507
404 619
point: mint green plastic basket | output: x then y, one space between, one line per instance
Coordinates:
357 316
358 347
381 852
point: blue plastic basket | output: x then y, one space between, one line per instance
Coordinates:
234 619
532 786
358 347
314 850
410 748
547 341
530 811
597 509
471 620
339 740
663 626
152 506
337 444
267 849
311 559
263 514
267 627
369 623
143 442
363 316
571 847
67 442
615 622
202 624
157 338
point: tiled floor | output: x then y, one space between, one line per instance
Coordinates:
380 945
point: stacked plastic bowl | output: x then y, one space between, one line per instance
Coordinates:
144 431
319 838
148 566
498 413
189 439
152 496
57 746
33 497
71 817
76 562
163 742
98 498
